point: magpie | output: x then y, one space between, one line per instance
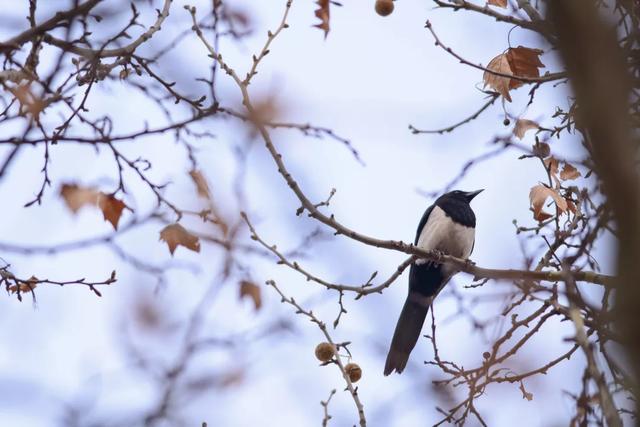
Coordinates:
447 226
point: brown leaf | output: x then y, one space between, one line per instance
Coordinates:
569 172
111 208
522 126
519 61
541 149
322 13
251 290
76 197
176 235
201 184
500 84
523 62
26 286
552 165
537 197
499 3
29 103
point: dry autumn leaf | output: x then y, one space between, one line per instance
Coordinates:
498 3
522 126
26 286
500 84
176 235
537 197
523 62
569 172
201 184
111 208
518 61
251 290
76 197
552 166
322 13
29 103
541 149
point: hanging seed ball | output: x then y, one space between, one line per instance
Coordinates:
384 7
325 351
354 372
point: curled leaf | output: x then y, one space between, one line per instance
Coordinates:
517 61
251 290
541 149
322 13
176 235
500 84
538 196
26 286
569 172
523 62
552 166
522 126
201 184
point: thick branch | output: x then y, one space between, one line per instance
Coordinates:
17 41
121 51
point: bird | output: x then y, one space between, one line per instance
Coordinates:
448 227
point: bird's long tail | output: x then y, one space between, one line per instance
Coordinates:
407 332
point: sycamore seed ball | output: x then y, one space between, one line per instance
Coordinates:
354 372
325 351
384 7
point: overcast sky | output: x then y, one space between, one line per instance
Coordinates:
368 80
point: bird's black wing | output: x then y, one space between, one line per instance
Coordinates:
422 222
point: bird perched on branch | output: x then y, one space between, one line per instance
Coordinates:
447 226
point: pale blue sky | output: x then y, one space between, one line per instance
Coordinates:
368 80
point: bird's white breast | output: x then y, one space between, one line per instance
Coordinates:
443 234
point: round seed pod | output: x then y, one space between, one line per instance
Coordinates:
325 351
354 371
384 7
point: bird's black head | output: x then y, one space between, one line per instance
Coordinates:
466 196
456 205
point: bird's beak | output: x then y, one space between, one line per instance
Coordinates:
471 194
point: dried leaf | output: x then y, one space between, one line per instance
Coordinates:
519 61
26 286
569 172
29 103
523 62
538 195
552 166
541 149
76 197
176 235
201 184
322 13
251 290
500 84
522 126
111 208
499 3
